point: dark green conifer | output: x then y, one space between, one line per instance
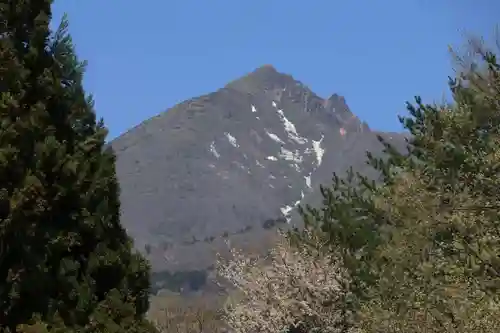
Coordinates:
66 263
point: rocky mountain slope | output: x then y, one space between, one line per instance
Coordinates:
233 164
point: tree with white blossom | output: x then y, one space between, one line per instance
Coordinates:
296 289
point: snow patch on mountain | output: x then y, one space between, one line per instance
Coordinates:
289 127
286 212
213 150
308 180
274 137
232 140
298 201
293 156
318 150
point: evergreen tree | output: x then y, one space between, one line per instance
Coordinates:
424 242
441 271
66 263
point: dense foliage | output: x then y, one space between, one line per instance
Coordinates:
66 263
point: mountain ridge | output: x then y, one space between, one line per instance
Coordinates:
234 162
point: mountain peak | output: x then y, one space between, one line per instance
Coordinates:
263 77
266 68
336 98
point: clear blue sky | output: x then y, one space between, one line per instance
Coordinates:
146 56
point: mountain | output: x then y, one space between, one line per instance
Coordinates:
233 164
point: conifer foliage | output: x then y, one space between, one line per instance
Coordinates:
66 263
422 245
439 269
